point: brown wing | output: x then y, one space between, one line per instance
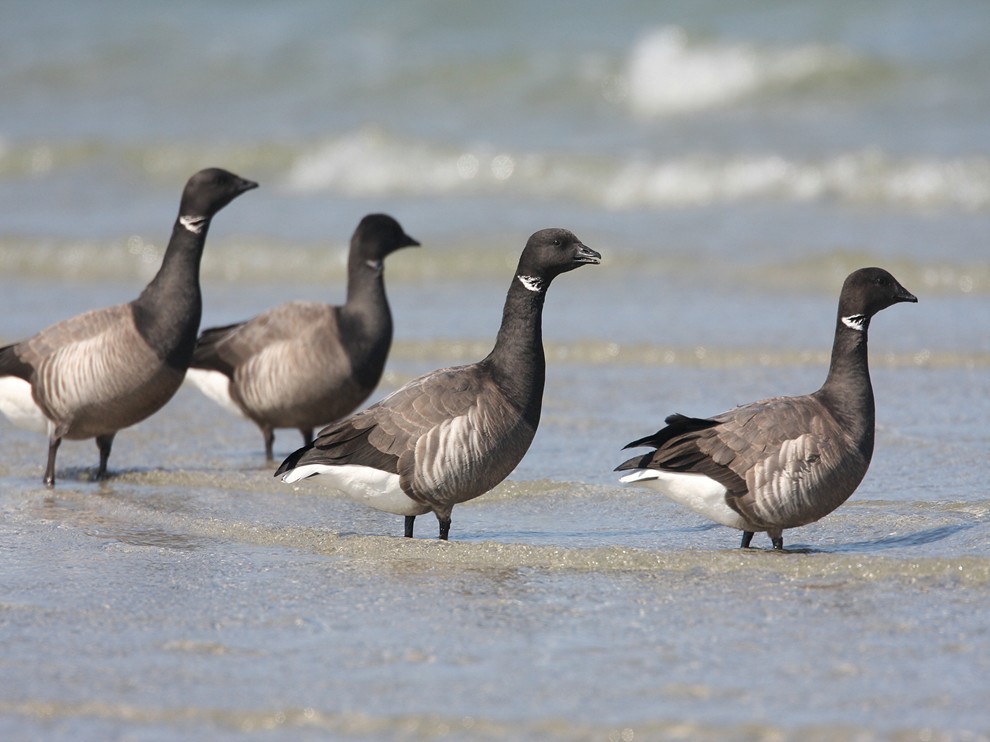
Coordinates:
381 434
226 348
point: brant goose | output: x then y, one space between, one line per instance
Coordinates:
455 433
305 364
94 374
782 462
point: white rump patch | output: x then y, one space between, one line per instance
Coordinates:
193 223
373 487
698 492
216 386
532 283
855 321
19 406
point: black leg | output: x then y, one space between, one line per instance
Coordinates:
104 443
269 434
746 539
307 434
444 528
778 542
410 522
53 443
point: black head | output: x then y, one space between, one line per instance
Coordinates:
378 235
210 190
550 252
870 290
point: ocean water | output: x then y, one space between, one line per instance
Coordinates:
731 161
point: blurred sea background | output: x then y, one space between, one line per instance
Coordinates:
733 162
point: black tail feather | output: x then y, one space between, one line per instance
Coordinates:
291 460
207 356
677 424
340 443
12 365
636 462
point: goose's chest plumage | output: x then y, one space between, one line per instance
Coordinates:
103 383
796 478
465 456
799 482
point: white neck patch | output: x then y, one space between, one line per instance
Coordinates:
375 265
855 321
532 283
193 223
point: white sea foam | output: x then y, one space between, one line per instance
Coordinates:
865 177
669 73
370 162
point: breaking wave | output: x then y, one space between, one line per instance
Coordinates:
669 73
371 163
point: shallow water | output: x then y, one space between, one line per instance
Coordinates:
731 164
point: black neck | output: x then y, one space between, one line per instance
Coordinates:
517 361
365 282
169 309
847 389
365 319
